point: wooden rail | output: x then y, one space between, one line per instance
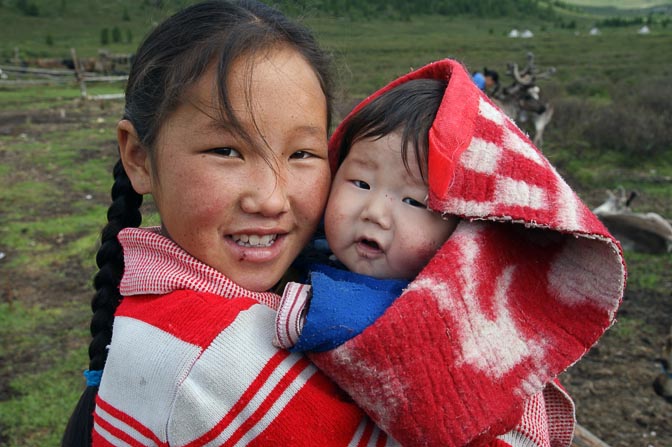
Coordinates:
584 438
50 76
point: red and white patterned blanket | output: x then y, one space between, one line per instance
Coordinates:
524 287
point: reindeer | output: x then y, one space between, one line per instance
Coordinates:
522 99
642 232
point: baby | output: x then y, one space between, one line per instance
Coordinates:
377 222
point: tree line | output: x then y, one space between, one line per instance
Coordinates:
406 8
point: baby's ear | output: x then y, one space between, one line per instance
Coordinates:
134 157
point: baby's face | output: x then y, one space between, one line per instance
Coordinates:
376 221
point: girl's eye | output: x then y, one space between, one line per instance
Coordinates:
300 155
414 203
360 184
226 152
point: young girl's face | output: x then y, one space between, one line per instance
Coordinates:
217 198
376 220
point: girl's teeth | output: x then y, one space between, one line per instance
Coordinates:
253 240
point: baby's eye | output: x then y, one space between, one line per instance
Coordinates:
226 152
360 184
414 202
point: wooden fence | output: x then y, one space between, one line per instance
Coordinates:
15 75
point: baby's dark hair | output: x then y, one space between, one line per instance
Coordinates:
173 57
409 108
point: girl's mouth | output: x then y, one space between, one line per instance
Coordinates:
254 240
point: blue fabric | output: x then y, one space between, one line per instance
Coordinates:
479 80
343 304
93 377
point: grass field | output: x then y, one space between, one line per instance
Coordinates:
56 152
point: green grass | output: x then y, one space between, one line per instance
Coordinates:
34 415
645 271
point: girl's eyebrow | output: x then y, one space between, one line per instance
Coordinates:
311 130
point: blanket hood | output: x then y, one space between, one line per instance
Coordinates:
527 283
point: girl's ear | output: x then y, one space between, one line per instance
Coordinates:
134 157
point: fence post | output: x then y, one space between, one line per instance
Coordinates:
79 74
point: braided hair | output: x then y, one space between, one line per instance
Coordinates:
172 58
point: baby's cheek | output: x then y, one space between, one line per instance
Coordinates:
426 251
415 256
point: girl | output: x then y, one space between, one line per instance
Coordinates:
226 126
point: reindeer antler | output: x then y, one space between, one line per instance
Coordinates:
524 78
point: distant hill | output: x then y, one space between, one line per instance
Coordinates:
621 7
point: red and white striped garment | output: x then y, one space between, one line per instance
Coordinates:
191 363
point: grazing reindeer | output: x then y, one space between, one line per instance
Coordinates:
522 100
642 232
662 385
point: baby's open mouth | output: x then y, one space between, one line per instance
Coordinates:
370 243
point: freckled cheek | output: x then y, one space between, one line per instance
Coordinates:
309 201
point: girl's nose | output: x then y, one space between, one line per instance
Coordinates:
377 210
266 194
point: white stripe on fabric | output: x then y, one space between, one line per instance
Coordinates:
374 436
469 208
513 141
143 365
207 395
567 207
110 438
519 193
358 433
279 405
256 401
123 427
517 439
487 111
481 156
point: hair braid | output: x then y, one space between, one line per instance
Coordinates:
123 212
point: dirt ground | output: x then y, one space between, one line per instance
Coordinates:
611 385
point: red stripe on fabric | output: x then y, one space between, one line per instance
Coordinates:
120 434
97 440
318 415
126 419
194 317
245 399
382 439
488 130
368 431
498 443
272 397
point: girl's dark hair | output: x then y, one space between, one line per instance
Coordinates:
172 58
409 108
